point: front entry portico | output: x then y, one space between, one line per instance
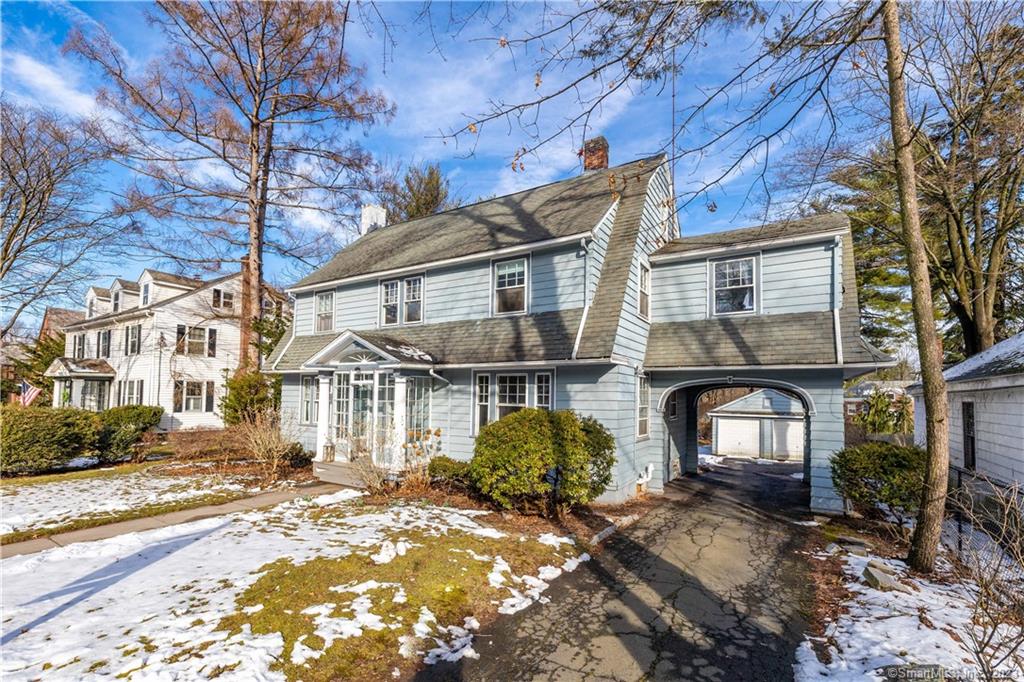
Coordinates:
820 392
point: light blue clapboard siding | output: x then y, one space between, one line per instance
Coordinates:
598 249
558 279
457 293
631 338
304 313
679 291
291 415
797 279
356 306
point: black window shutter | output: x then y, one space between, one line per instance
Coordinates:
209 396
127 351
138 399
179 343
99 344
211 343
179 388
119 393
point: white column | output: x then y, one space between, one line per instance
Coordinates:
323 415
398 428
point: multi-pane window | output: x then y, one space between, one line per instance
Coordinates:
78 343
342 400
116 301
389 301
385 407
510 287
224 300
734 286
103 344
196 341
310 399
133 339
401 301
145 294
417 407
544 396
90 309
325 311
643 406
413 304
129 392
193 396
645 292
483 400
511 393
94 395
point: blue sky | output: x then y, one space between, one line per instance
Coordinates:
434 91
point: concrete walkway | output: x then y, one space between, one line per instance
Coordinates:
710 585
110 530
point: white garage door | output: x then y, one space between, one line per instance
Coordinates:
738 437
788 438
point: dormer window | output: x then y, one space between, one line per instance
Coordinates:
225 300
145 294
90 308
733 289
510 287
116 301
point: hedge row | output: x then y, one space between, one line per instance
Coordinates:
38 439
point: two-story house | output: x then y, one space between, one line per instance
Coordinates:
579 294
163 340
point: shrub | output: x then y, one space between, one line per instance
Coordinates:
881 480
447 470
267 442
205 443
247 395
123 427
511 459
536 460
37 439
601 448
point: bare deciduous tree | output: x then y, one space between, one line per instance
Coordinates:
235 133
54 219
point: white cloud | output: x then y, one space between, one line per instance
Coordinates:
54 87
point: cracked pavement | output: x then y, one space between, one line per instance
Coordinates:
709 585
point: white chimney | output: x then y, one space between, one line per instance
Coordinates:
372 217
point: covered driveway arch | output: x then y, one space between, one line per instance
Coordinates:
674 428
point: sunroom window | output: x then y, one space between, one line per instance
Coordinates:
511 393
510 287
734 286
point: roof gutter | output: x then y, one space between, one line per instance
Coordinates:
746 246
419 267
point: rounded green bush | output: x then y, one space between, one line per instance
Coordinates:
448 470
249 394
601 448
123 427
512 457
881 480
38 439
572 460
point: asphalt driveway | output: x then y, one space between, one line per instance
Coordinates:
708 586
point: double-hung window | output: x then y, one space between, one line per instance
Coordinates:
401 301
129 392
193 396
103 344
325 311
90 309
510 287
511 393
116 301
78 351
644 303
145 294
733 286
310 399
643 406
133 339
543 391
197 341
224 300
483 400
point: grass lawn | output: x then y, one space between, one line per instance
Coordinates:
330 588
39 506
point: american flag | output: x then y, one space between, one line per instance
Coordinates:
29 393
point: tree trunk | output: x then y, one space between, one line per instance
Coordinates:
925 542
252 266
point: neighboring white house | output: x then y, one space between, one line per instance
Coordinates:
855 397
163 340
766 424
986 411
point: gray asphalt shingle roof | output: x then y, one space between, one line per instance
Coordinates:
829 222
1003 359
560 209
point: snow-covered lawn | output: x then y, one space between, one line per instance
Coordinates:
924 625
328 588
58 503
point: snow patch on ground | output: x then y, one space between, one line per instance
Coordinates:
892 628
156 593
33 507
709 460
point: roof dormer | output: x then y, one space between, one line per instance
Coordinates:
97 302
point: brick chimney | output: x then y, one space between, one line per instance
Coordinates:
595 153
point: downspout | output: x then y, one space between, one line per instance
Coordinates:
836 292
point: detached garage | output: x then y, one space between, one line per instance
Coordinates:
766 424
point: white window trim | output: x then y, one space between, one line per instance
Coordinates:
313 381
754 284
316 312
402 321
185 396
422 299
494 381
474 425
115 302
644 267
527 265
205 341
551 386
640 378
